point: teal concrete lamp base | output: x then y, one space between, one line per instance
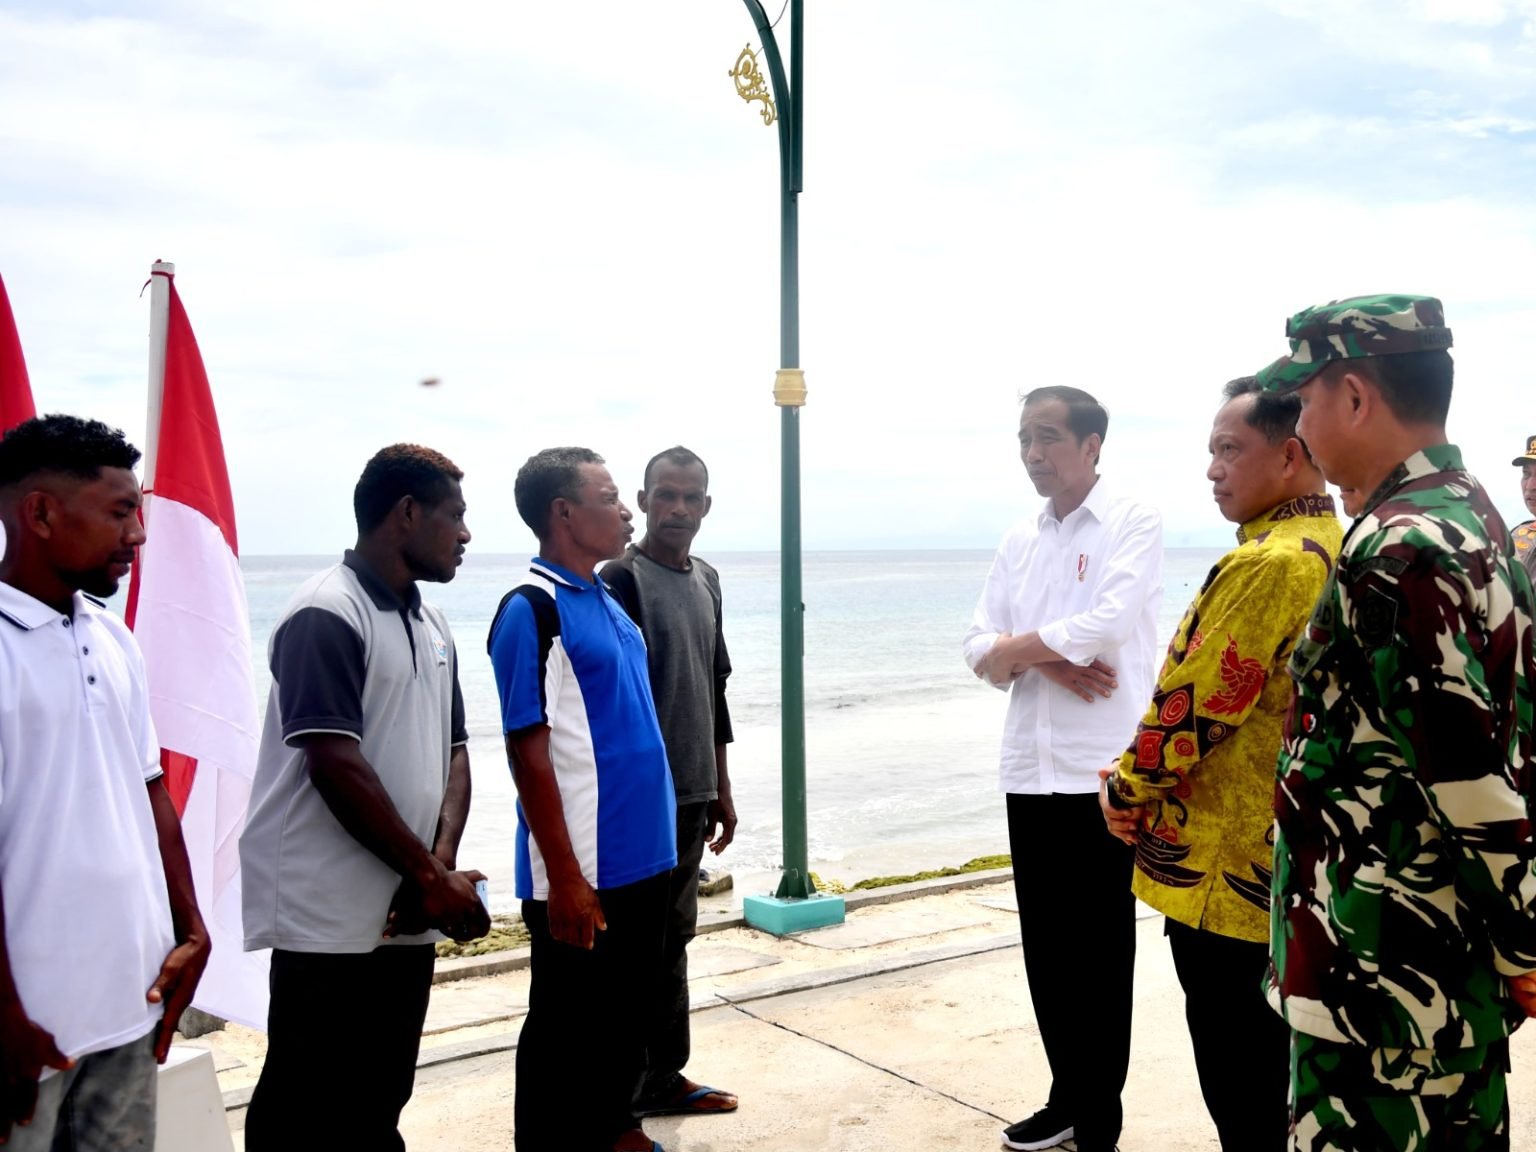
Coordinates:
781 917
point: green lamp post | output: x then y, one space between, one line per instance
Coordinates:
796 905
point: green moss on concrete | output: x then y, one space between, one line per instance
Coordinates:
506 933
979 864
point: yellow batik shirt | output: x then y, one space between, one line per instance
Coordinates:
1203 761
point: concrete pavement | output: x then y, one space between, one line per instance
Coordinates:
908 1026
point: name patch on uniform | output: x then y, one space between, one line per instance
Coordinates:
1391 565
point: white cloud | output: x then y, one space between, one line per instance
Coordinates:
567 215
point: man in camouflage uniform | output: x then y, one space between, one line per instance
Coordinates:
1194 793
1403 927
1524 533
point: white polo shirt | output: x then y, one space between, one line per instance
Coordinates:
87 914
1091 585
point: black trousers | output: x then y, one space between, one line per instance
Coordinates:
581 1053
668 1043
382 996
1077 919
1242 1046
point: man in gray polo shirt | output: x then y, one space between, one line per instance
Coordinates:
361 794
674 598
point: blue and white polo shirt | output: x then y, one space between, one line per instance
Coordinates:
568 657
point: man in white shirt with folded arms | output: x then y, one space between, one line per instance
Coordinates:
1068 619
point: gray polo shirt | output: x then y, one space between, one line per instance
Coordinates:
347 657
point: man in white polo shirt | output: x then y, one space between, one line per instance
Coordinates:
1068 619
361 794
101 943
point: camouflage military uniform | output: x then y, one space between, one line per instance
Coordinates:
1403 860
1403 882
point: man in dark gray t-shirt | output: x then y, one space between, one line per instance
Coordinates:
674 598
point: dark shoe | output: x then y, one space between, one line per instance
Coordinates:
1045 1129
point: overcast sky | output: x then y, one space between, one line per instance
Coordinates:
564 212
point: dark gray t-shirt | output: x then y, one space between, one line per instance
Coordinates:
680 616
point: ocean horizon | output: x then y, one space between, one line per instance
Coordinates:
901 740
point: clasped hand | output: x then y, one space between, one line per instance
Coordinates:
449 904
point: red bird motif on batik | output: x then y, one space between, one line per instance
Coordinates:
1242 680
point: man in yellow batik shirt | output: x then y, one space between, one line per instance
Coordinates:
1194 792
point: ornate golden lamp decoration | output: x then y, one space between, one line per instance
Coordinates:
751 84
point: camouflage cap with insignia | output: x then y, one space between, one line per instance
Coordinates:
1351 329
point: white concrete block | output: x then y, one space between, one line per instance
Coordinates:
190 1116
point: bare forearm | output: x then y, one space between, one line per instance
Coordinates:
186 919
722 771
537 789
357 798
455 811
1021 652
1011 655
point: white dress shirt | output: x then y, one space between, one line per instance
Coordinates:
1091 585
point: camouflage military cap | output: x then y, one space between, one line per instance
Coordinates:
1351 329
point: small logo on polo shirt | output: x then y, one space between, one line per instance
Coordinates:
439 646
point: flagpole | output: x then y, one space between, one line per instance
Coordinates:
160 273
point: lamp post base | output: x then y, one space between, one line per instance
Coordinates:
781 917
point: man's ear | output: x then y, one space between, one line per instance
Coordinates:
1295 457
643 500
405 511
1362 394
39 513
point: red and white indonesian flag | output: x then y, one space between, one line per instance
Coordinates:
186 605
15 389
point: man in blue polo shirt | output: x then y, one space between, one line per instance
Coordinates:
596 831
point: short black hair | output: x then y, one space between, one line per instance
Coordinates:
396 472
1085 415
545 477
1272 414
1415 385
680 456
66 444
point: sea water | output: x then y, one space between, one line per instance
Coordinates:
901 739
